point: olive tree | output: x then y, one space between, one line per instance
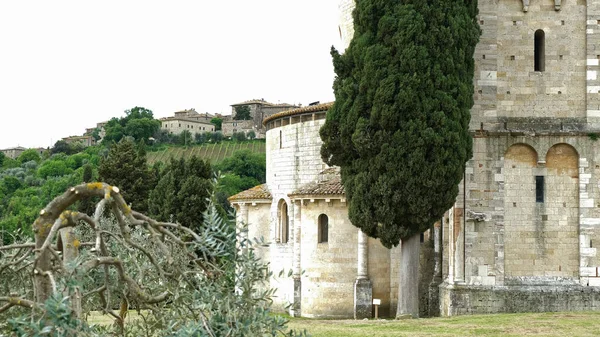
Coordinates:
206 283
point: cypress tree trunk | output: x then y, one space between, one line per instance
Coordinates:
408 287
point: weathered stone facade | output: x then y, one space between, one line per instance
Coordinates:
524 231
177 125
85 140
336 277
13 152
524 228
259 110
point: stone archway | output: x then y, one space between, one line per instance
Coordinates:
561 218
520 164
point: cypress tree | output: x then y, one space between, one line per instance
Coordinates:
182 192
399 126
126 167
87 205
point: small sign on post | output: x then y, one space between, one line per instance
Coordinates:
376 303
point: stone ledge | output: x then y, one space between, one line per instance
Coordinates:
467 300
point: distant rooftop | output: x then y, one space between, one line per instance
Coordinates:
329 187
260 192
298 111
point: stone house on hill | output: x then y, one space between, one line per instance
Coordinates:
523 233
85 140
183 120
259 110
13 152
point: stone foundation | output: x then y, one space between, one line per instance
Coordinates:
467 300
363 299
297 305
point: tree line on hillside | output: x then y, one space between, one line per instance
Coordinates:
185 269
174 191
139 123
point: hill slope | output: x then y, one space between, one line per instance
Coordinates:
213 153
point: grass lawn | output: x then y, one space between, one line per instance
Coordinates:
543 324
510 325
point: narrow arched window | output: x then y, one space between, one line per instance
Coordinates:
284 223
323 228
539 53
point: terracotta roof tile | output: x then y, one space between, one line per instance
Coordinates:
329 187
253 101
256 192
306 109
331 170
185 119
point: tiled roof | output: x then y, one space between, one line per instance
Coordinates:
282 105
331 170
192 120
256 192
329 187
14 148
306 109
253 101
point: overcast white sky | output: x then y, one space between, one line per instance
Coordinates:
67 64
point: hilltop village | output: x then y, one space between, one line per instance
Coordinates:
245 117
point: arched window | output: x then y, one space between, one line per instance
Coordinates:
539 53
284 223
323 228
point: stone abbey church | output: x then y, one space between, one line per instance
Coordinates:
524 231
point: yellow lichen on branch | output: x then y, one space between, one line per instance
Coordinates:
95 186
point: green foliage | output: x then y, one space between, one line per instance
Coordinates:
96 134
28 187
53 319
53 168
185 138
217 137
239 136
29 155
244 170
138 123
203 137
9 163
217 122
231 183
62 147
87 205
126 167
113 131
251 135
242 112
245 163
2 158
228 298
10 184
78 160
399 126
141 128
593 136
182 191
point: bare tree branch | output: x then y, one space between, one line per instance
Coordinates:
18 246
17 301
134 289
